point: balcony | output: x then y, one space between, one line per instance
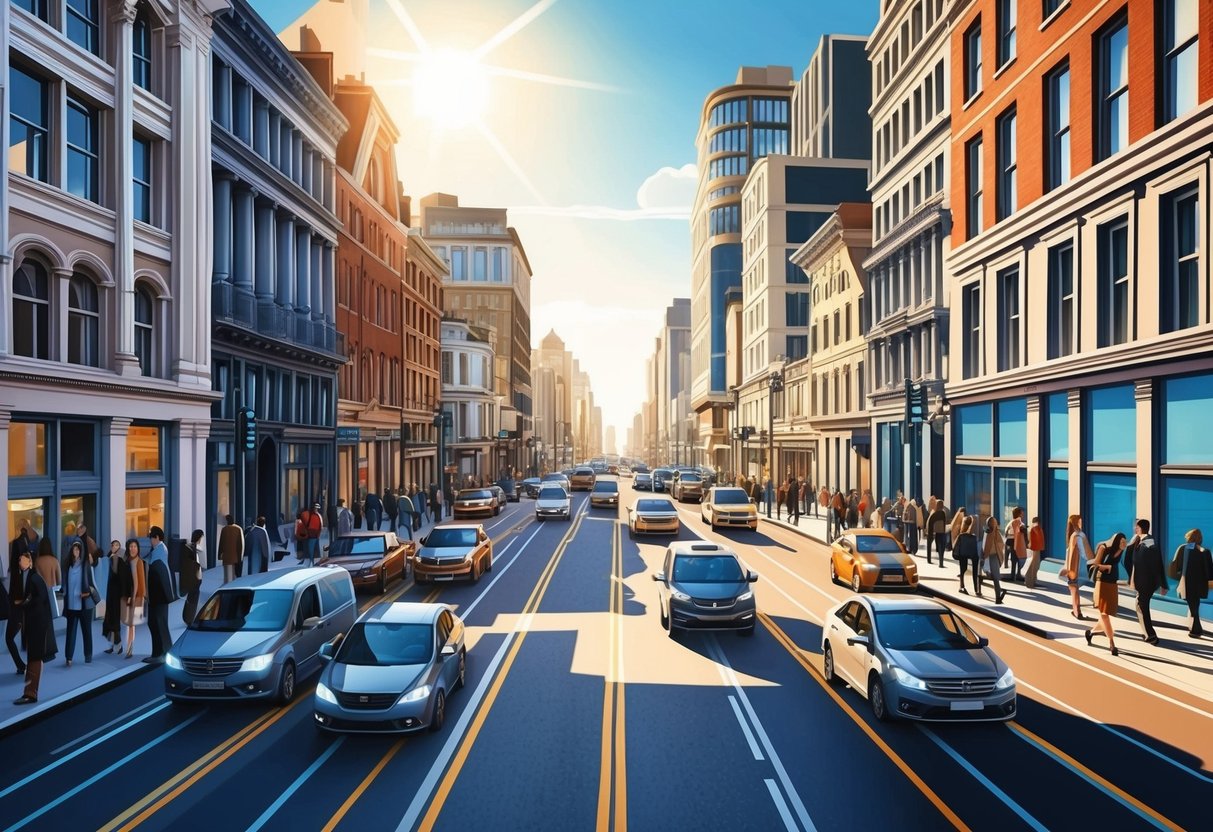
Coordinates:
241 309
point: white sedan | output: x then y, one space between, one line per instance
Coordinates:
553 501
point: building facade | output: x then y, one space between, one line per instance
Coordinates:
828 121
672 395
105 377
551 375
274 134
469 396
1080 264
908 303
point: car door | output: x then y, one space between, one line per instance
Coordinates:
842 627
705 506
447 665
860 658
309 641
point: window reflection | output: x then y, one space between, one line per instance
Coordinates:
27 449
143 448
144 509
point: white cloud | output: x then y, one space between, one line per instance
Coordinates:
665 195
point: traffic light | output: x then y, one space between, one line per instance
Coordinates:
916 403
246 428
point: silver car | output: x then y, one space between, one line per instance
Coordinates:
553 502
393 671
916 659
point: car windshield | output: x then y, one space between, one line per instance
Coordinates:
876 543
479 494
662 472
347 547
654 505
554 478
441 538
607 486
643 476
584 472
924 630
730 497
687 476
553 494
378 644
706 569
242 610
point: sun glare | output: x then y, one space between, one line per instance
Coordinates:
450 88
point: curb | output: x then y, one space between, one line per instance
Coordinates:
66 700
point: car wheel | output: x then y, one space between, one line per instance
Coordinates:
833 571
461 680
828 663
439 716
286 686
880 708
856 583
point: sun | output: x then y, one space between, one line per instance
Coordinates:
450 88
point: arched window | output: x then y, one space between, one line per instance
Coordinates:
83 322
144 308
31 311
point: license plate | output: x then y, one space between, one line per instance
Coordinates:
893 579
208 684
968 705
444 577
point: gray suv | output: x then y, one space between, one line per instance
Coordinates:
704 586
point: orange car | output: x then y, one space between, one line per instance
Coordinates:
872 559
453 551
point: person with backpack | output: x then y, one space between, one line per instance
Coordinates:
307 533
1036 549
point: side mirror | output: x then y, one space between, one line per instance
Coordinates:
659 577
425 541
311 623
752 577
982 641
326 652
862 641
447 650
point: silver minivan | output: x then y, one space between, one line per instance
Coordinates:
257 635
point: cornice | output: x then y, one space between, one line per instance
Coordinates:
930 213
66 375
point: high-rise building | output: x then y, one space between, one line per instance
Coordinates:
551 377
827 119
739 124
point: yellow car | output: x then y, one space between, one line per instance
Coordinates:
583 479
728 506
872 559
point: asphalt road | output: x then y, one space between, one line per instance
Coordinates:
580 713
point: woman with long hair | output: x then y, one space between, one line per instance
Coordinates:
78 604
1107 594
134 593
111 625
1078 552
964 549
992 554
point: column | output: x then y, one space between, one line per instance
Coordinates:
1147 464
244 233
223 227
1035 464
125 362
113 481
303 270
6 264
275 137
328 288
928 265
297 157
285 295
317 295
265 252
223 97
188 489
306 180
286 147
5 418
261 128
1077 440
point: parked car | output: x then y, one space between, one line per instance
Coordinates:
256 636
916 659
653 515
872 559
477 502
642 482
372 558
393 671
605 494
687 485
728 506
452 551
530 486
583 479
553 501
509 485
703 586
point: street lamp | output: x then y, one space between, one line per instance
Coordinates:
774 385
735 407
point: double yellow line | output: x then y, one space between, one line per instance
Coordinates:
613 767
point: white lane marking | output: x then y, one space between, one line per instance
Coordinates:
781 805
294 787
812 615
745 729
1023 813
730 678
109 724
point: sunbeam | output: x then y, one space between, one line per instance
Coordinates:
514 167
514 27
409 25
555 80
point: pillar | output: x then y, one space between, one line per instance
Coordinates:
223 227
296 156
303 264
1147 464
328 288
113 483
125 361
261 128
242 111
223 97
6 264
244 234
317 291
1077 440
265 250
1036 463
285 295
306 181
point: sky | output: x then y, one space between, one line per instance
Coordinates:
579 116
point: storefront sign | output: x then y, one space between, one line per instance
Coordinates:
348 436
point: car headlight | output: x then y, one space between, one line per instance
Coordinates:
1007 680
172 661
415 695
907 679
323 692
679 596
257 663
467 557
746 596
871 567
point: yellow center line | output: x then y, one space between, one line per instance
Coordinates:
609 711
465 747
798 654
362 787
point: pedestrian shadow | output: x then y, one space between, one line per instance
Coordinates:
1164 660
754 538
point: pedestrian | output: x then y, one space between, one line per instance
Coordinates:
807 498
356 510
781 499
373 510
964 549
134 594
1148 575
345 518
79 587
419 502
1036 550
1105 571
992 552
853 511
231 548
22 546
190 576
768 493
111 623
38 632
794 500
391 508
1192 566
840 510
313 526
25 541
159 595
1016 544
933 528
1078 552
48 568
954 527
257 545
912 521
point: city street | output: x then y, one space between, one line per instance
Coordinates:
579 712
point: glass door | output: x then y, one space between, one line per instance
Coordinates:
75 509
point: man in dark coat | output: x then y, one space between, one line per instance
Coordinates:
793 500
159 595
372 509
391 507
37 628
16 594
1148 576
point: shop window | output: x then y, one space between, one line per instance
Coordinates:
1111 425
1058 413
1186 403
1111 504
1012 488
143 448
144 509
27 449
1013 428
77 446
974 431
1185 505
29 512
1057 509
972 490
31 311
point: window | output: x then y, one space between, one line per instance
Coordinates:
1051 6
35 7
29 125
498 265
974 203
84 24
1057 93
1179 72
1179 289
796 347
144 306
972 330
459 257
1113 98
1007 10
1009 320
797 309
1061 300
82 150
31 311
1006 164
141 49
141 167
27 455
83 322
143 448
724 220
972 45
1113 265
480 264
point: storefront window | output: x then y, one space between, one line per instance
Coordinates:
1058 414
1013 427
974 432
973 490
891 457
1187 401
223 495
293 499
74 510
27 449
144 509
1186 502
1112 505
78 446
1111 425
143 448
28 512
1057 512
1012 492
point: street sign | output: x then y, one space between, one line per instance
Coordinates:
348 436
503 434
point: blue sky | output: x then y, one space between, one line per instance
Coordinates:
602 278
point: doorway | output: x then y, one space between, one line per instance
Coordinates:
267 485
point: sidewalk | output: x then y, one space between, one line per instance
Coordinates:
61 685
1045 611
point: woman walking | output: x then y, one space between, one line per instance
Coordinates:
964 549
111 625
992 554
134 593
1017 544
958 520
1106 571
78 602
190 579
1078 552
1192 565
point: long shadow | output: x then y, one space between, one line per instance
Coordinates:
755 538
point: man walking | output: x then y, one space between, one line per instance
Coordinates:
38 633
257 544
159 595
937 523
312 526
793 500
1148 575
372 510
231 548
345 518
391 507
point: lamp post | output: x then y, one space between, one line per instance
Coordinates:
736 405
774 385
